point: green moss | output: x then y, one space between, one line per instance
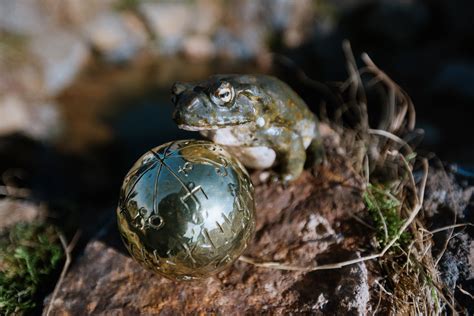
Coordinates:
123 5
29 253
384 208
12 47
326 9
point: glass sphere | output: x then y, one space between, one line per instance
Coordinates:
186 209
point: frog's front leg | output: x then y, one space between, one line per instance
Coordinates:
315 153
289 149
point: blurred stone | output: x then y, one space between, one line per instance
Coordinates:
30 17
37 120
61 55
118 37
25 17
21 78
245 32
14 211
48 56
247 43
294 19
199 47
76 13
169 22
210 13
14 114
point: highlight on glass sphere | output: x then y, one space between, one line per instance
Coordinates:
186 209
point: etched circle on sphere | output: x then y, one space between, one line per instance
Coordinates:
186 209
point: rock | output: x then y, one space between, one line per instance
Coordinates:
244 34
294 19
15 211
169 22
44 57
14 114
198 47
456 268
118 37
176 28
449 201
37 120
446 197
21 78
456 265
210 15
60 55
343 293
247 43
23 17
302 225
30 17
76 13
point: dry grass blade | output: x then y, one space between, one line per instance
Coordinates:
68 248
338 265
357 91
407 107
441 229
393 137
465 292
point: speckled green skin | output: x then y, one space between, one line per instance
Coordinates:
262 113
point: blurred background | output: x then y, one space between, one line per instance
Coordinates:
85 85
85 91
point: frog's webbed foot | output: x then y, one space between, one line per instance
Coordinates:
290 151
276 178
292 161
272 177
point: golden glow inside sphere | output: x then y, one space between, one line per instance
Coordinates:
186 209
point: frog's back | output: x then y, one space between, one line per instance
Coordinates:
286 101
290 109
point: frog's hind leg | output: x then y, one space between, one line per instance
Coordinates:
291 160
315 153
290 151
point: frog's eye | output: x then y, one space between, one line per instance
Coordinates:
223 95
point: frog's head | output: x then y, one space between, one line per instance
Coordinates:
218 102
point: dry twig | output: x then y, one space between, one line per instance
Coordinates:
416 208
68 248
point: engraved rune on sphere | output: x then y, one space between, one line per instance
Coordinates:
191 196
185 168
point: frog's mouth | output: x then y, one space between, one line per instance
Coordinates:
210 127
196 128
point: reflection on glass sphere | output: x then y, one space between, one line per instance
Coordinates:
186 209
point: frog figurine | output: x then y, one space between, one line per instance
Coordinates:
258 118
